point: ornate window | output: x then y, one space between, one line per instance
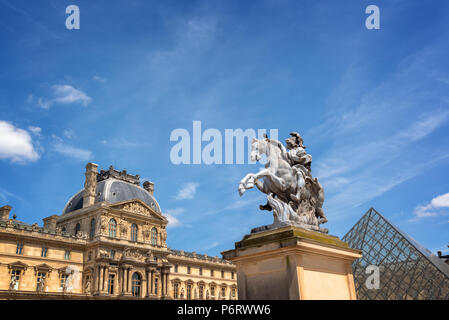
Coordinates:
77 228
134 232
176 268
63 280
19 248
67 255
233 293
112 255
189 291
15 279
211 272
189 269
156 280
111 279
212 292
112 228
201 291
222 273
176 290
154 236
201 271
92 228
232 275
44 252
223 292
136 283
40 283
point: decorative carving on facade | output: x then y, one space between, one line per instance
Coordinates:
133 254
163 237
82 235
12 283
135 207
88 285
103 253
123 226
102 224
146 231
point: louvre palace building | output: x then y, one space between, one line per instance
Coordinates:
108 243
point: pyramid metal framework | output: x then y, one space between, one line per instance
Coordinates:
407 270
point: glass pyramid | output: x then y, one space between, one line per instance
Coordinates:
407 270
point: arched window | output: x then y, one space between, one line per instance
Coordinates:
154 236
112 228
136 284
134 232
92 228
77 228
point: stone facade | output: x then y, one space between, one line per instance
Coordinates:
105 250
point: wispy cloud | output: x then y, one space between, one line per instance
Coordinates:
35 130
188 191
64 94
437 206
375 134
99 79
211 246
16 144
61 147
69 133
172 217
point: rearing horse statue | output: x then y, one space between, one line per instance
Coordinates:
279 177
293 195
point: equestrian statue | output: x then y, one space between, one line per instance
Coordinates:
294 196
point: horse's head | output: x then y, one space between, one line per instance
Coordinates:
258 148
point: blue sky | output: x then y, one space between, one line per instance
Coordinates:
372 106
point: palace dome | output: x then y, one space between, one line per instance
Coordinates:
112 191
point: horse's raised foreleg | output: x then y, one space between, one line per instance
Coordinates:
246 183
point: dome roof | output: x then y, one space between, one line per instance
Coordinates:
112 191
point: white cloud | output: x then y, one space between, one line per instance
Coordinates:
16 144
172 221
99 79
175 212
69 133
433 208
64 94
35 130
73 152
187 191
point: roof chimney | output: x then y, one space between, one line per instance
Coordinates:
4 212
50 222
149 186
90 184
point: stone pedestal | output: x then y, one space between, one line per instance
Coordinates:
291 263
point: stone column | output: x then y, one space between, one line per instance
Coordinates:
95 280
152 281
161 278
106 279
166 285
129 280
124 280
101 288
